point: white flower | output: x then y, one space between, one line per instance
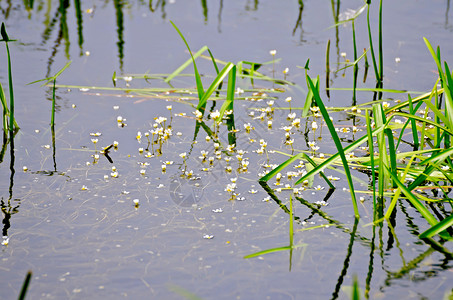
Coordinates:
248 127
230 187
183 155
291 116
296 122
198 114
273 52
314 125
318 188
160 120
287 128
215 114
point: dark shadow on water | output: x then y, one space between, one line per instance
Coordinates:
344 271
9 207
119 4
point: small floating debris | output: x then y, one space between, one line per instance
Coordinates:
208 237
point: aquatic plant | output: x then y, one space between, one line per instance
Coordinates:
8 112
389 134
53 79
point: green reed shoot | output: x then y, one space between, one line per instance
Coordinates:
5 113
12 121
337 142
203 95
53 79
373 56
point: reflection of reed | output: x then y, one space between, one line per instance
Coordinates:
205 10
78 10
299 20
120 29
6 207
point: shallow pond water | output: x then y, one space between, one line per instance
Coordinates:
73 220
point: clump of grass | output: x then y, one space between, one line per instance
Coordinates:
431 134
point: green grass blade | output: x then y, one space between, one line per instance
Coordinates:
197 75
371 150
228 104
442 75
12 121
355 289
379 119
438 158
214 85
213 61
373 57
424 120
321 173
391 150
337 142
5 113
413 124
185 64
268 251
336 156
417 204
398 191
309 100
275 171
438 228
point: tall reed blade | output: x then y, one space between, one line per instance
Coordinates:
337 142
12 122
197 75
